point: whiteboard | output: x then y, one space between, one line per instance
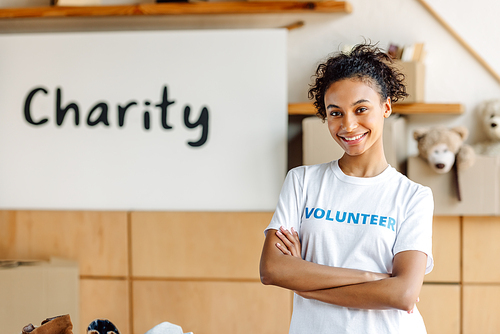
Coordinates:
167 120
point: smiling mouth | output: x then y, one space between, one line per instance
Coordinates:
352 139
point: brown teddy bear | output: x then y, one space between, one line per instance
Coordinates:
444 148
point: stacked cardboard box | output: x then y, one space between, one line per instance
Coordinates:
31 291
479 187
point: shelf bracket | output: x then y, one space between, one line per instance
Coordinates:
294 25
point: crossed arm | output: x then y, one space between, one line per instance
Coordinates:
281 264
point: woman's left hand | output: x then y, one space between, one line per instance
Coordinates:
290 242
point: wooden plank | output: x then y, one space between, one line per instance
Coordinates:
243 7
481 263
104 299
446 250
56 11
481 309
307 108
212 307
97 240
440 307
198 244
304 108
428 108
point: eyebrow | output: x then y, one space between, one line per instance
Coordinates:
355 103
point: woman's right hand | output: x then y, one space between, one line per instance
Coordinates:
290 244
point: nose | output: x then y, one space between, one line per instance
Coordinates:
349 123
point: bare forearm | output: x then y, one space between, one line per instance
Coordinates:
296 274
379 295
398 292
301 275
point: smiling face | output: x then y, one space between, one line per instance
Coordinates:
355 115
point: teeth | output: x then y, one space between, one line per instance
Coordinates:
353 138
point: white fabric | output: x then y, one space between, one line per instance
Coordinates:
166 328
358 223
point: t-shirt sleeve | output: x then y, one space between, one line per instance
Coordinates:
289 210
415 233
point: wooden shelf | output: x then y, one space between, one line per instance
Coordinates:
428 108
180 8
399 108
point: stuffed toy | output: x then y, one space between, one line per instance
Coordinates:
489 117
444 149
166 328
102 326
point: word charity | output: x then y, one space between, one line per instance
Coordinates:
98 113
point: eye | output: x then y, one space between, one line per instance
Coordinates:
492 115
335 113
361 110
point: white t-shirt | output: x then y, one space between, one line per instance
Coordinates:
359 223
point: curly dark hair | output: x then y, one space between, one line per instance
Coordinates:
365 62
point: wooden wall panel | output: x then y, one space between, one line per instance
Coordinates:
197 244
205 307
481 309
446 250
104 299
97 240
481 249
440 307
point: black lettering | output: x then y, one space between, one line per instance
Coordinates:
103 117
27 107
122 111
61 112
203 121
163 106
146 120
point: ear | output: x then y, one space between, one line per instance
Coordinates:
387 105
462 131
419 133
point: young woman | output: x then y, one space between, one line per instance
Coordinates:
352 237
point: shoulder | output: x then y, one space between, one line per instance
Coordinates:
418 197
311 170
410 192
410 185
309 175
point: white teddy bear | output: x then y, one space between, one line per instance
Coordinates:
489 114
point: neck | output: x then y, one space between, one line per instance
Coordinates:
362 165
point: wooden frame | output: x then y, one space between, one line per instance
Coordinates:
244 7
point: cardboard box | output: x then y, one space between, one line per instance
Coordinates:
35 290
319 146
479 187
414 79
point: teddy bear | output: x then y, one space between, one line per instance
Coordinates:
489 116
441 147
444 148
